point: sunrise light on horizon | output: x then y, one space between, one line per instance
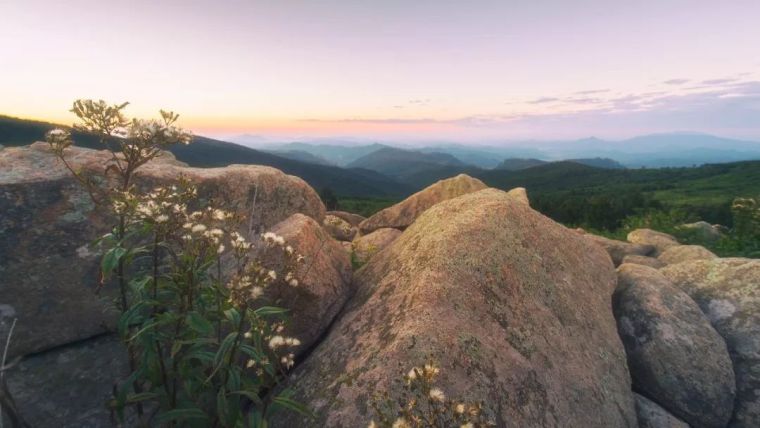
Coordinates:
392 70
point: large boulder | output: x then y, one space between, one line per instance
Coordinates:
704 230
48 272
339 228
660 241
683 253
323 279
520 194
69 386
674 354
366 246
351 218
619 249
401 215
514 307
643 260
728 292
651 415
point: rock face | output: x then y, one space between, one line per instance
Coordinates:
42 385
514 307
323 281
339 228
674 354
366 246
49 273
653 416
520 194
683 253
643 260
351 218
660 241
728 292
704 230
619 249
401 215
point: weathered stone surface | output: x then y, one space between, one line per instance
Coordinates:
728 292
404 213
515 307
366 246
323 279
619 249
704 230
48 274
69 386
651 415
660 241
351 218
520 194
339 228
683 253
674 354
643 260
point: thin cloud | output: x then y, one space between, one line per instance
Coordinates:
591 92
544 100
676 81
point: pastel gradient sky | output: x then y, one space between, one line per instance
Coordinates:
465 71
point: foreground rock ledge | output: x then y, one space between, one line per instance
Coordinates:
48 274
515 308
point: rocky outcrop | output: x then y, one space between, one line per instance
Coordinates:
684 253
704 230
651 415
728 292
49 273
674 354
366 246
643 260
323 279
351 218
513 306
401 215
660 241
339 228
619 249
69 386
520 194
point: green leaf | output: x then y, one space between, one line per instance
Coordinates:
269 310
134 398
199 324
180 415
233 315
111 260
284 401
250 395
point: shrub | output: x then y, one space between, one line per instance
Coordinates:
422 404
204 347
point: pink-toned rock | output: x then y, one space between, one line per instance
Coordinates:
515 308
48 273
351 218
401 215
643 260
684 253
339 228
728 292
660 241
674 354
366 246
618 250
323 279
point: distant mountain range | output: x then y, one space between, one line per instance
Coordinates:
378 170
651 151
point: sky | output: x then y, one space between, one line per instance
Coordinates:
425 70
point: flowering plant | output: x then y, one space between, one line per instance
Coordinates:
204 347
